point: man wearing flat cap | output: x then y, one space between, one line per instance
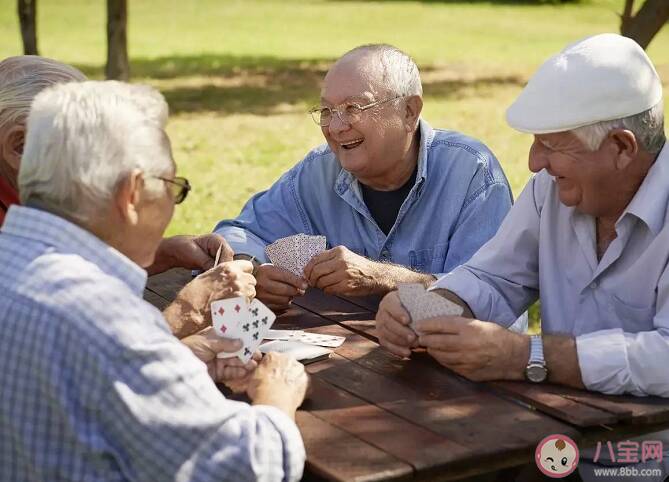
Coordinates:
588 236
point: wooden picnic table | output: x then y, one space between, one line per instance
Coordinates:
373 416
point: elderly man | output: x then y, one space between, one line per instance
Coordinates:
94 385
588 236
396 199
21 79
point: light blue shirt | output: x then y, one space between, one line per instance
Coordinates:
93 386
456 204
616 308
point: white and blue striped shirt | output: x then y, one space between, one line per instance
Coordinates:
93 386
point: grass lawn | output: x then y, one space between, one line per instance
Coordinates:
239 75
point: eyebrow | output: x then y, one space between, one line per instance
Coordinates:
353 98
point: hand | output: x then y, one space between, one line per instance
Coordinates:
191 252
392 326
190 311
280 381
340 271
276 287
232 371
478 350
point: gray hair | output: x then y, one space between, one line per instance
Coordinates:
22 78
399 71
84 139
647 127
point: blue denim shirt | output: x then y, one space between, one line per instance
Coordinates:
456 204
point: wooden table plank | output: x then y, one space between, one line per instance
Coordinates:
329 457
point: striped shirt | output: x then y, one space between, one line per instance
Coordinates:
93 386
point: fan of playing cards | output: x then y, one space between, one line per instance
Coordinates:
251 323
294 252
422 304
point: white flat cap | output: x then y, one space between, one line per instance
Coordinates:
599 78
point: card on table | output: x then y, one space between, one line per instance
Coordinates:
321 340
422 304
283 334
300 351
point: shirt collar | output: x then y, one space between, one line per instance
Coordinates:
345 178
650 201
66 237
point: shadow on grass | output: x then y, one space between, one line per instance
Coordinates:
259 85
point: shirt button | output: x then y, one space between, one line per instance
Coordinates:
385 254
593 285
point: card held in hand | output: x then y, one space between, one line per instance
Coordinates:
422 304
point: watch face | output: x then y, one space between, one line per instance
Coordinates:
536 373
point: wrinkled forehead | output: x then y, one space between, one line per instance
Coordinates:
354 78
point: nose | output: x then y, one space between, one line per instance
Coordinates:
538 158
337 124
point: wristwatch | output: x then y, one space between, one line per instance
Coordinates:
536 370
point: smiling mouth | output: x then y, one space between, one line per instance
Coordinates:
351 144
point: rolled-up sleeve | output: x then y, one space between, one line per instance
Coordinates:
613 361
502 279
266 217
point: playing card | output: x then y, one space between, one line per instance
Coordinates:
422 304
252 331
293 253
321 340
227 316
298 350
283 334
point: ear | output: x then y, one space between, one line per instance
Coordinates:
414 106
12 146
623 146
128 196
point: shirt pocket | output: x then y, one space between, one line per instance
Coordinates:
430 260
631 317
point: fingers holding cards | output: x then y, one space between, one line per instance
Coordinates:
422 304
293 253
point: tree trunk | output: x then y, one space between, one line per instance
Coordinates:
117 42
643 26
28 19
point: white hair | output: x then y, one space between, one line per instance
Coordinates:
22 78
85 138
399 72
647 127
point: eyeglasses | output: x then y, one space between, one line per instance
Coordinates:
179 187
348 113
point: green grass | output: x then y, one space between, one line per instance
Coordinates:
239 75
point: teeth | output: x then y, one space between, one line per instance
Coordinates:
351 142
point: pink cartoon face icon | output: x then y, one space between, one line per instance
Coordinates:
556 456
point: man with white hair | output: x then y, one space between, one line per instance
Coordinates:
21 79
94 385
588 236
397 200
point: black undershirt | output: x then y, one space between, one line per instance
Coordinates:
385 205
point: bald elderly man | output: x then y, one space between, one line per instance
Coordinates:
397 200
588 236
21 79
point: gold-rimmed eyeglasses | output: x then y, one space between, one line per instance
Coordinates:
179 187
349 112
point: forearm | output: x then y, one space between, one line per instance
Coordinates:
183 318
388 276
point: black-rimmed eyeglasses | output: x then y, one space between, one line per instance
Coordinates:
179 187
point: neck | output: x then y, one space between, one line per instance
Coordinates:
401 171
8 174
